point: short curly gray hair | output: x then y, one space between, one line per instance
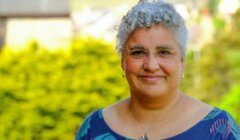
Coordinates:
148 12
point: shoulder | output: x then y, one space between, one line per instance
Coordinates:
96 124
116 110
87 125
222 124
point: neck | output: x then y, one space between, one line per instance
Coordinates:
145 110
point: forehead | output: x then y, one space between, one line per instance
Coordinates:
155 36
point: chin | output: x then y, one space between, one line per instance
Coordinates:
151 92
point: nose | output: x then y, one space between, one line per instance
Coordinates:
151 63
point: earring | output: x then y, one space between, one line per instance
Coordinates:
182 76
123 74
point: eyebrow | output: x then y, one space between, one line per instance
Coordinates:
165 47
136 47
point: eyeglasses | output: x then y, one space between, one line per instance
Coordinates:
139 53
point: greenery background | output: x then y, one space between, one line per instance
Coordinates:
46 95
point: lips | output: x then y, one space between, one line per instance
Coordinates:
151 78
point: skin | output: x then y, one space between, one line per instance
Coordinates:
153 65
157 75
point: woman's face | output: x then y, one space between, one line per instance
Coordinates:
152 62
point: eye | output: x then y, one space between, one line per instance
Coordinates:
137 53
164 52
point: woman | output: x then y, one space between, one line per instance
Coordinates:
152 42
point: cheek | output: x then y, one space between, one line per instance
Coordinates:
172 67
131 66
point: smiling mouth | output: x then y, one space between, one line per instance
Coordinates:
151 78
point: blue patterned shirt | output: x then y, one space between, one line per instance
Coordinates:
217 125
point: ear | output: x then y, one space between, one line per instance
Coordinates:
123 64
183 63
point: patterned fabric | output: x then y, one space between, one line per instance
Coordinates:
217 125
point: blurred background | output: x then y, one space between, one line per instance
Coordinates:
58 61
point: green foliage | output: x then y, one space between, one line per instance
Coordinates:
214 71
231 102
45 95
219 24
213 6
217 73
